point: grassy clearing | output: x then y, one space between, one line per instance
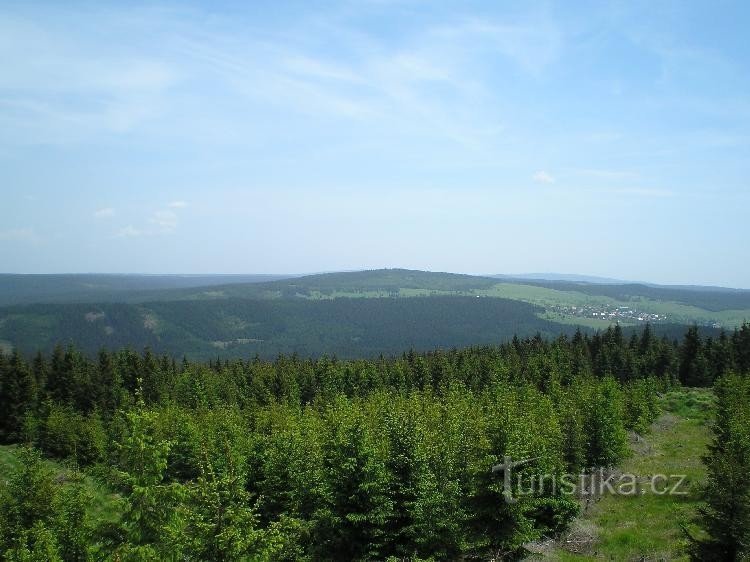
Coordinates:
549 298
596 323
647 527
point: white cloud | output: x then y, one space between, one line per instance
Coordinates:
543 177
104 212
129 232
162 221
18 234
438 80
166 221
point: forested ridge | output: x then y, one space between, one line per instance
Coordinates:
235 328
366 459
358 314
202 329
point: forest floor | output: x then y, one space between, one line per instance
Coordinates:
647 527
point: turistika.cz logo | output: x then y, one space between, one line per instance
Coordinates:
596 482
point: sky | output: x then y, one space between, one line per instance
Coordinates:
599 138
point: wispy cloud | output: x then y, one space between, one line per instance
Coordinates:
532 45
543 177
57 88
605 174
18 235
644 191
165 221
161 221
104 212
433 80
129 231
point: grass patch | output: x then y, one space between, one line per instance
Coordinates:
647 527
582 321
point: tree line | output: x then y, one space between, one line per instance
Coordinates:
325 459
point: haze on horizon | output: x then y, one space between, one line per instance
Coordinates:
605 139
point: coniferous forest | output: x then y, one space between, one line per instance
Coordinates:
327 459
374 281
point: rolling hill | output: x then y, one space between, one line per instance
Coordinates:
363 313
95 287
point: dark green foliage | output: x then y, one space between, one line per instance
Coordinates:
351 518
203 329
329 459
63 432
726 515
17 395
31 288
694 367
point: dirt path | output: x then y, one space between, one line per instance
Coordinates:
646 526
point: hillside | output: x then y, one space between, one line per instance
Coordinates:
596 305
28 288
349 314
244 327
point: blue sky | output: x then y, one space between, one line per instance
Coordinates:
602 138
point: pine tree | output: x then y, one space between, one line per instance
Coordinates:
604 425
17 395
407 471
726 515
351 522
741 342
60 383
150 527
694 369
222 521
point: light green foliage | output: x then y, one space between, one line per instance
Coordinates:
40 519
337 460
37 544
62 432
604 424
221 521
650 526
641 404
150 525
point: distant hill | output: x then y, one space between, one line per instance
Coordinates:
710 298
562 277
32 288
359 313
